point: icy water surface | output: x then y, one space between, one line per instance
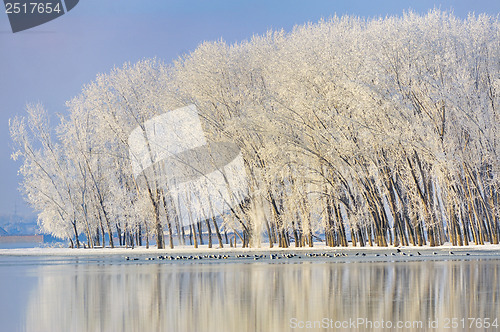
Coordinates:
110 294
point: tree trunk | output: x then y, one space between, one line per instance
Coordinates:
76 235
217 232
193 231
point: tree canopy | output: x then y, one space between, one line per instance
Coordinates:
375 131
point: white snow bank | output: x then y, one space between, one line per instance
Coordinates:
488 249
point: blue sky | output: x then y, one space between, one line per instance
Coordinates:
52 62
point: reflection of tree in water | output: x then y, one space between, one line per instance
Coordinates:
249 297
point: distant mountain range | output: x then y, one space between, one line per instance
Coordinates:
14 224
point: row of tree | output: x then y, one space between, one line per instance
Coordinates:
381 131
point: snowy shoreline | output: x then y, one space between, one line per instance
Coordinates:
346 254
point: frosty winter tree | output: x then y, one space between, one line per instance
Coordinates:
381 131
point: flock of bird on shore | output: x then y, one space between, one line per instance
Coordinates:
272 256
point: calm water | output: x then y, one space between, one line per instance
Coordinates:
107 294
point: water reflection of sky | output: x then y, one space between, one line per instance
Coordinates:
16 287
110 296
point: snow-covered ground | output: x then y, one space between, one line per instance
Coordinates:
310 253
